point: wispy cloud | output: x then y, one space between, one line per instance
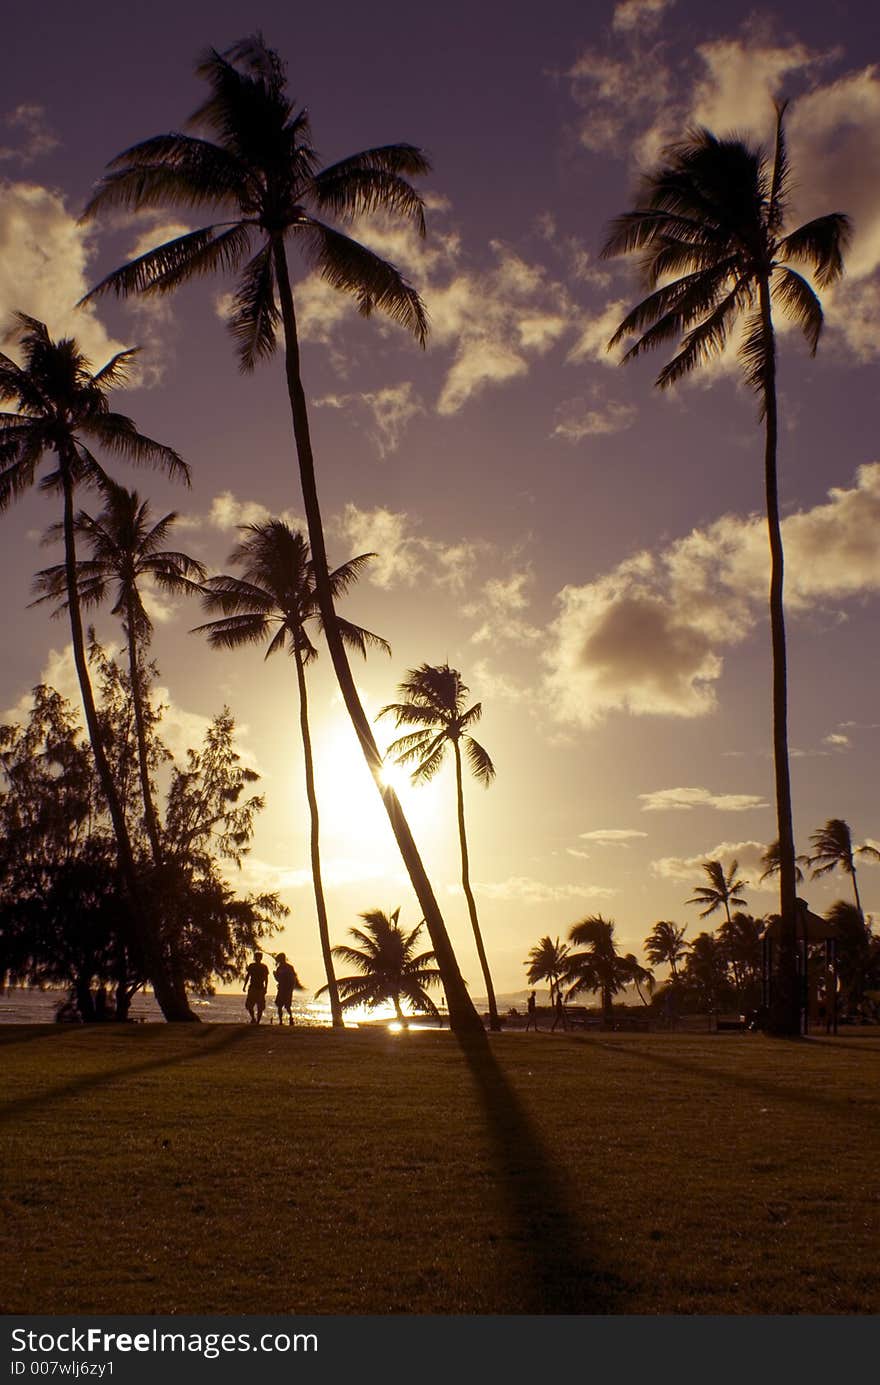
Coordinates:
685 800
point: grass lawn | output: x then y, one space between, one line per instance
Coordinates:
227 1169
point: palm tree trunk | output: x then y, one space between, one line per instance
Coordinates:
320 905
144 935
494 1022
786 1019
856 889
134 673
462 1016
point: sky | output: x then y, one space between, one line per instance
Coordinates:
588 552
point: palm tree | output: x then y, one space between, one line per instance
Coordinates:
705 969
547 962
833 847
740 938
665 945
387 965
256 165
62 408
276 599
125 548
722 890
709 225
770 862
600 966
434 702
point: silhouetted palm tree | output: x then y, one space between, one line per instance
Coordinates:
257 166
665 945
833 847
547 962
722 890
770 862
709 226
434 701
600 966
388 966
125 548
275 599
740 938
62 407
705 969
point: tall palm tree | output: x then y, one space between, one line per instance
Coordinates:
254 162
435 702
722 890
547 962
388 966
125 548
833 847
770 862
600 967
62 409
276 599
709 226
665 945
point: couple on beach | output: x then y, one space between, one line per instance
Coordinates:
257 983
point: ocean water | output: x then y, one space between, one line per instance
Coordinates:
19 1005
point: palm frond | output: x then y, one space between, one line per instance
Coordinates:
359 639
231 632
480 762
254 318
821 244
185 257
119 435
373 180
800 303
755 354
375 283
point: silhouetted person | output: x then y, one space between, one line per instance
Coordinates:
256 982
285 977
559 1017
532 1016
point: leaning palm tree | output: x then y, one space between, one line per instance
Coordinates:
709 226
665 945
276 599
125 548
547 962
722 890
435 702
62 409
600 967
254 162
833 847
388 966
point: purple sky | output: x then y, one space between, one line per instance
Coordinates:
589 553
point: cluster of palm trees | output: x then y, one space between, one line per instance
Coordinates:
709 229
589 962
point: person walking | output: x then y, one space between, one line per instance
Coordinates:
287 981
532 1017
256 983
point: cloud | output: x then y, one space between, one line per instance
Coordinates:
228 512
639 14
748 854
685 800
44 255
403 555
612 836
596 332
392 409
649 636
500 608
30 132
530 891
838 740
576 419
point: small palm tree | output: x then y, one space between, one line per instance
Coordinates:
833 847
275 599
600 967
388 966
665 945
547 962
770 862
62 409
435 701
126 548
253 162
722 890
740 939
709 226
705 970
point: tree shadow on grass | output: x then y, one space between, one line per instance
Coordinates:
808 1097
11 1034
207 1046
552 1268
